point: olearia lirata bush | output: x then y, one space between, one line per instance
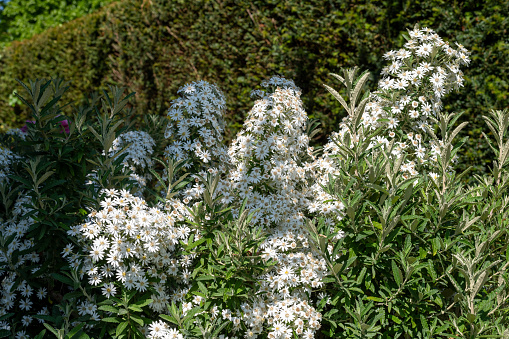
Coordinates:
371 236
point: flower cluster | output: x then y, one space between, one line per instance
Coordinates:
284 304
17 132
6 158
410 94
271 167
139 150
132 244
24 297
196 130
159 330
196 126
270 158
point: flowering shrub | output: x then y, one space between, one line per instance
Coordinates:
409 97
266 237
196 128
138 155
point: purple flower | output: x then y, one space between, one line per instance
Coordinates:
65 125
24 129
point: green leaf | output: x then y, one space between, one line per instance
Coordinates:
27 183
439 302
121 328
422 253
111 320
75 330
63 279
39 336
196 243
205 277
375 299
169 318
337 268
431 270
122 311
396 272
4 333
396 319
217 330
435 244
52 330
135 308
137 319
51 185
109 308
71 295
8 315
143 303
377 225
424 323
49 105
45 317
202 288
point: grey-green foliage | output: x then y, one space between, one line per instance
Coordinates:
420 258
228 265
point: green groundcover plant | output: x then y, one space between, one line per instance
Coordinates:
166 232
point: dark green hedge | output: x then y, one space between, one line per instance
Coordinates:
77 51
154 47
22 19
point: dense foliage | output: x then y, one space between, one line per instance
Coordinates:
154 47
168 232
22 19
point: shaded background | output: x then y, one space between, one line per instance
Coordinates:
153 47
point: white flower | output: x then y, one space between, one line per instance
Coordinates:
437 80
97 253
464 58
424 50
41 294
21 335
26 320
25 304
67 250
413 114
186 307
158 329
141 284
393 123
109 290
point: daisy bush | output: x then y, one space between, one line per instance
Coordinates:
132 244
409 97
196 126
138 148
272 171
371 235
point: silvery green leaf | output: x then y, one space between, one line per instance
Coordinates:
338 97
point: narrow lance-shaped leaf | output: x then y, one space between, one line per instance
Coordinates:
339 77
360 83
338 97
396 272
